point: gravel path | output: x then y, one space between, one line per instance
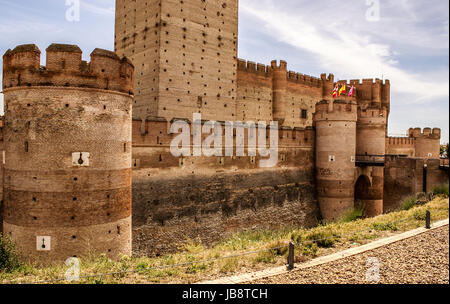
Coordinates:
423 259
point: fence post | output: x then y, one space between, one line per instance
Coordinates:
428 220
291 256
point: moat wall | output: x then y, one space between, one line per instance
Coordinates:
209 207
209 198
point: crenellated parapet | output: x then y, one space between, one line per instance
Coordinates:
400 146
372 116
427 142
267 71
304 79
252 67
65 68
400 141
372 92
337 110
429 133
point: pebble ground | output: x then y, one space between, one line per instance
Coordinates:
423 259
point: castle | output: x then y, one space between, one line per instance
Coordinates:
87 145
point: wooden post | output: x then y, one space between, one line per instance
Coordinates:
428 220
291 256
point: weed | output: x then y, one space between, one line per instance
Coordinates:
419 215
9 260
408 203
385 226
352 215
441 190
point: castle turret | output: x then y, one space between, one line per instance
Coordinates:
427 143
370 145
279 91
67 187
335 124
327 86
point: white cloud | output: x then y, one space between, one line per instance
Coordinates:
105 8
354 52
12 27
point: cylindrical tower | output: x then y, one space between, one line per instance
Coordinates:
335 124
67 188
427 143
279 74
371 145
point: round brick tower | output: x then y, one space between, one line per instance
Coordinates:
67 188
427 143
335 124
371 146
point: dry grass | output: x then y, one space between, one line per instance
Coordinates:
207 263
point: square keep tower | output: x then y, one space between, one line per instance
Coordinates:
184 53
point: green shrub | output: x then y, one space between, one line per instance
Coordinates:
266 257
408 203
441 190
279 250
324 238
353 215
385 226
9 260
419 215
309 249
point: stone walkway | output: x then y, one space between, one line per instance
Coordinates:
416 256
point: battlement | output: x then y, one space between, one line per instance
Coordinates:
324 77
373 114
400 141
304 79
264 70
426 133
282 66
65 67
367 81
252 67
372 91
339 109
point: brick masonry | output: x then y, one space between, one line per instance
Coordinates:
185 61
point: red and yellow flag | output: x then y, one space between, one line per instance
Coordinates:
343 90
335 91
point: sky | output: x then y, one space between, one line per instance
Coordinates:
405 41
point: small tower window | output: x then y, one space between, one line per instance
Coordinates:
304 114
